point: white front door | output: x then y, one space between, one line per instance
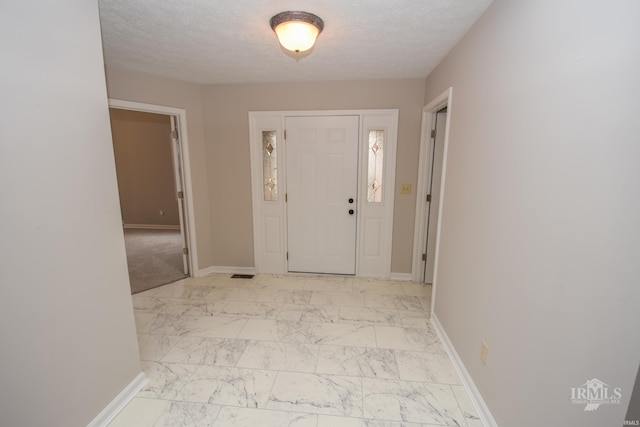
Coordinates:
322 182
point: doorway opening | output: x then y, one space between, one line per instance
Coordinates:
150 165
433 196
436 117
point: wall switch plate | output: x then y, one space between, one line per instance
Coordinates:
484 352
405 188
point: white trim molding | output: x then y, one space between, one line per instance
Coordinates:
445 99
109 413
474 394
424 177
402 277
374 220
181 116
151 226
224 269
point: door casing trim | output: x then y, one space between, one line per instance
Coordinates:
181 116
429 112
270 247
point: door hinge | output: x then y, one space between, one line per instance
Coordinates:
424 257
285 134
174 133
180 195
287 256
428 197
185 251
286 197
433 133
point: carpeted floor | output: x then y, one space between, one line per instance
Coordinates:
154 258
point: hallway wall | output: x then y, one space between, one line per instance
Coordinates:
540 230
66 318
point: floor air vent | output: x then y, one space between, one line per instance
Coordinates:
242 276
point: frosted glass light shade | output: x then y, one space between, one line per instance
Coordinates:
296 36
296 31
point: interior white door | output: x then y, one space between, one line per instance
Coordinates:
434 192
178 174
322 182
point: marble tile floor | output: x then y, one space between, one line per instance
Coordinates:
299 351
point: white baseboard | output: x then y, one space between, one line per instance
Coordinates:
222 269
407 277
104 418
476 398
252 270
151 226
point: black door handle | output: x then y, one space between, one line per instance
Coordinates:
350 211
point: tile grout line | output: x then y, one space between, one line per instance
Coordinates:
362 388
455 398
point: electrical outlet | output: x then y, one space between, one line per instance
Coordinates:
405 188
484 352
161 212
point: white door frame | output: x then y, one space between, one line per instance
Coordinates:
181 118
176 151
374 220
424 181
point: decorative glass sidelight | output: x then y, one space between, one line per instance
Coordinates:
270 165
375 166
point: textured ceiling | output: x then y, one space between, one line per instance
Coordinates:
230 41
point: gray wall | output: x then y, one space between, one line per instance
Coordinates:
144 165
66 319
541 226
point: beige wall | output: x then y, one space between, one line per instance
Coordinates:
540 229
144 165
220 162
227 135
140 87
66 319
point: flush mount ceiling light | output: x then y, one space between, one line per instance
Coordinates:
296 31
